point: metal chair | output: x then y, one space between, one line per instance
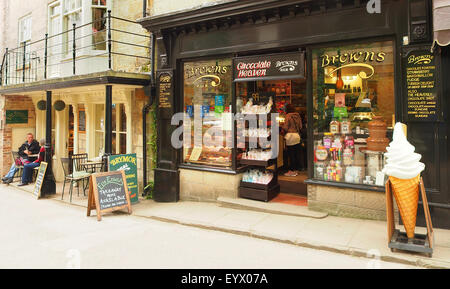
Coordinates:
74 177
15 155
77 162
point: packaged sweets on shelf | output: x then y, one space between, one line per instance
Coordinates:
257 177
334 126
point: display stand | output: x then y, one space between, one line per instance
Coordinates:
421 243
260 192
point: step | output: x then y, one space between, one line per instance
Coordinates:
272 208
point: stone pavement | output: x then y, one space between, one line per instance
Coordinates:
356 237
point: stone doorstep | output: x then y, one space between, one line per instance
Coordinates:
401 258
272 208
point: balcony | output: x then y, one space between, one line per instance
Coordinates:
112 45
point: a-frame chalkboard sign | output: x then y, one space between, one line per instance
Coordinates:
40 179
108 192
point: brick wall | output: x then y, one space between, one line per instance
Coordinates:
14 103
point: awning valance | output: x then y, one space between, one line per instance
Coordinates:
441 22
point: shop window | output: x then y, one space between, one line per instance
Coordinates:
207 103
354 106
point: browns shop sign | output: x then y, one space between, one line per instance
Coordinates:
269 67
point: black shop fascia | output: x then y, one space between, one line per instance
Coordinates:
240 34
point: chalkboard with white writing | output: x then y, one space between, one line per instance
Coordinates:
108 192
421 87
40 179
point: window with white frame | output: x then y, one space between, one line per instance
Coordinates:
55 39
89 39
25 29
25 24
72 15
99 10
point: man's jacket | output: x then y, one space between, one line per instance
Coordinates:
33 147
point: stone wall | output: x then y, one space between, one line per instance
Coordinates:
347 202
158 7
132 10
207 186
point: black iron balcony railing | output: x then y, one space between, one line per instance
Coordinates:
68 53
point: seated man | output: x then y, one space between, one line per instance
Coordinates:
30 147
29 167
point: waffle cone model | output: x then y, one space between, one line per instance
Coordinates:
406 193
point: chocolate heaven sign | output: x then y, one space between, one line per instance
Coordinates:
269 67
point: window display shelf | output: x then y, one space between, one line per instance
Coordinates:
264 195
258 186
258 163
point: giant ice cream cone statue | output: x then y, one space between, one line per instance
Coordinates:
403 168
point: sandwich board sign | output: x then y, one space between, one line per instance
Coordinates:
108 192
40 179
128 164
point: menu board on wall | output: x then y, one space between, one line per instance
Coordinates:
422 93
165 93
165 90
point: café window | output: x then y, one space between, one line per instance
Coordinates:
119 129
99 129
354 107
207 105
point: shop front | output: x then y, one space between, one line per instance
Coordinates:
235 69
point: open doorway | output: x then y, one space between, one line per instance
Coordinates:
292 161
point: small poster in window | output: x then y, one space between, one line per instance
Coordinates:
195 154
227 121
340 112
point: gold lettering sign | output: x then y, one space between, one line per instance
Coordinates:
422 59
354 59
205 76
346 58
165 91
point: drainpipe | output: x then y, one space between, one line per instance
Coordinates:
146 109
144 9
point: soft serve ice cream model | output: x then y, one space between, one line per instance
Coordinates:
403 168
